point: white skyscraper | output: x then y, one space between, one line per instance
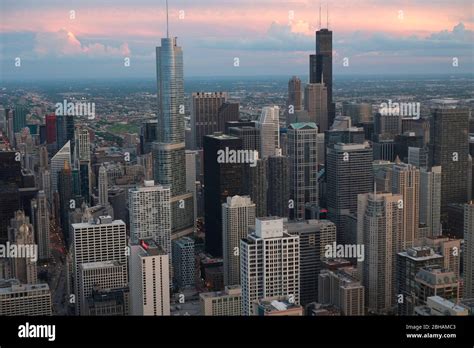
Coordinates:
149 279
150 214
57 164
103 186
40 210
238 213
100 240
469 250
430 200
83 144
269 263
269 126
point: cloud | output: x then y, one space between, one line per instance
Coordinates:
64 43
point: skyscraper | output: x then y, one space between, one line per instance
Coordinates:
269 126
255 185
315 103
64 131
238 213
205 108
430 200
302 152
184 262
269 263
40 210
82 140
19 118
449 147
278 193
379 223
103 186
66 195
169 149
295 93
150 214
469 250
50 121
228 112
57 164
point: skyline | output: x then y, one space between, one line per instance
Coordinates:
422 39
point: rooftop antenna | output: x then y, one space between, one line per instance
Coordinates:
327 15
167 26
320 16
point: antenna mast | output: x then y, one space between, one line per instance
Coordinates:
167 25
327 15
319 16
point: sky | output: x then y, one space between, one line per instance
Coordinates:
58 39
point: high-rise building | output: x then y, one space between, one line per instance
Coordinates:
57 164
66 197
315 103
83 144
222 303
419 157
64 131
97 241
359 113
269 126
255 185
205 115
221 180
50 121
449 147
169 149
469 250
228 112
406 182
387 125
303 156
436 281
184 262
348 174
40 210
379 223
250 137
103 186
295 93
238 213
278 193
269 263
19 118
430 200
24 299
149 279
147 136
150 214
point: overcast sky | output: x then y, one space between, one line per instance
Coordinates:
270 37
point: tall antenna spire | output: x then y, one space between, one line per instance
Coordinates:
320 15
327 15
167 25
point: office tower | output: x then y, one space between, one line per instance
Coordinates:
343 131
250 137
225 180
436 281
19 118
147 135
387 125
419 157
430 200
406 182
50 121
103 186
150 214
97 276
57 164
43 158
21 235
108 302
278 193
168 151
255 185
343 291
24 299
315 103
321 67
303 155
269 126
314 235
40 210
66 198
238 123
469 250
64 130
449 147
184 262
384 149
409 262
276 306
358 112
96 241
238 213
228 112
295 93
348 174
269 263
404 142
222 303
10 181
205 114
83 144
85 175
379 223
149 279
191 176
